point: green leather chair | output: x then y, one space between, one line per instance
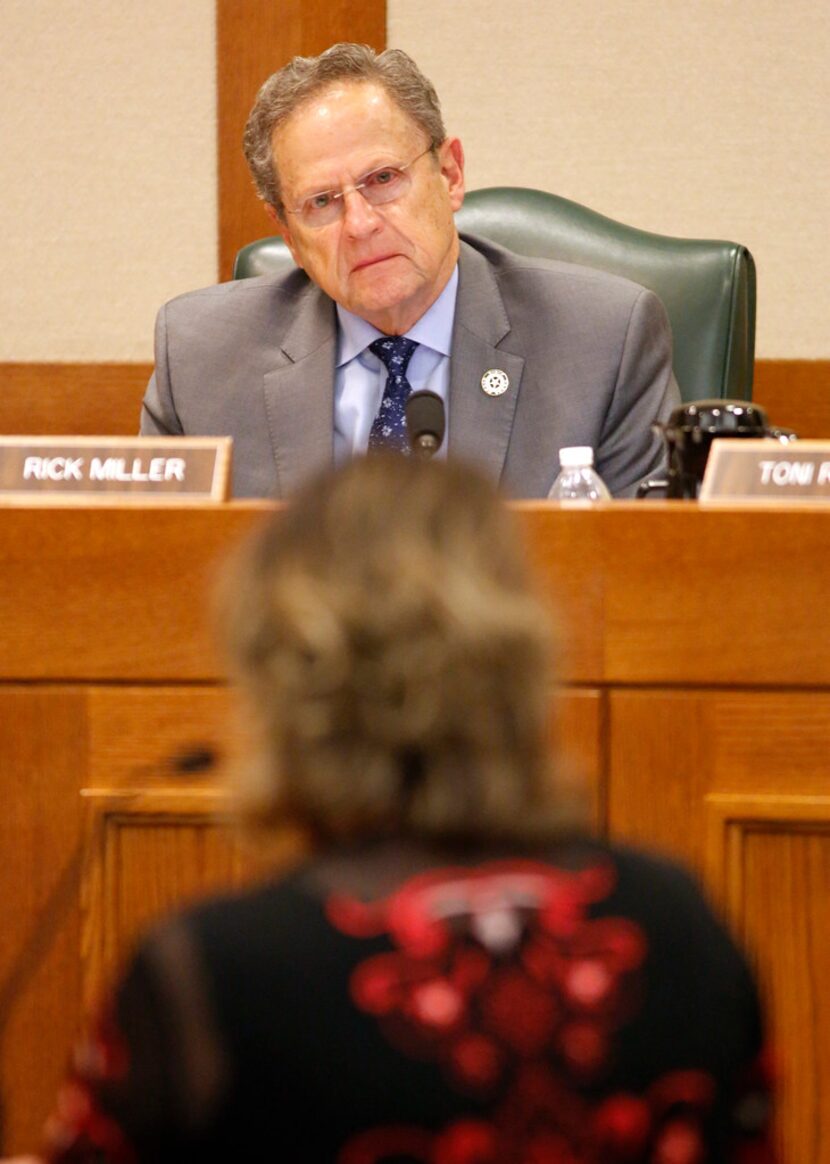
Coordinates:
707 286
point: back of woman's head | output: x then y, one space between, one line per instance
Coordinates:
395 658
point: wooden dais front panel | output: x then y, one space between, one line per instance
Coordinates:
769 859
696 666
737 784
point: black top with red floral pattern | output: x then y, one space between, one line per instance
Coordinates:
396 1006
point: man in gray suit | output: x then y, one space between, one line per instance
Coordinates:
349 153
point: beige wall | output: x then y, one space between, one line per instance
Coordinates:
705 118
107 171
701 118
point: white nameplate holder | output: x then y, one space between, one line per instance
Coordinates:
99 469
767 470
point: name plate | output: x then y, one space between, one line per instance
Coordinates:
767 470
109 468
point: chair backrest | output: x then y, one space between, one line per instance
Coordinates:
707 286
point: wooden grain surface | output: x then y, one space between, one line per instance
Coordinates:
735 783
578 743
43 748
768 856
672 593
112 592
664 592
695 656
57 399
71 399
796 394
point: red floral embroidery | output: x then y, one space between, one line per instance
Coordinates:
79 1130
496 967
500 976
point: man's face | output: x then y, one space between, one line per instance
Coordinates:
387 263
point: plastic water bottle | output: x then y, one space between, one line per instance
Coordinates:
578 481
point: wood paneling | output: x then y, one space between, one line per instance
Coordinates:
147 851
105 399
151 850
693 653
71 399
736 783
112 593
141 737
578 743
661 592
254 38
677 609
670 750
769 856
43 747
796 394
55 741
666 591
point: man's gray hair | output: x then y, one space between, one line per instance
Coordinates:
305 77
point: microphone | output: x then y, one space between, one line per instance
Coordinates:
193 759
425 422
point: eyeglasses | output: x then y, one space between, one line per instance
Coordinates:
378 187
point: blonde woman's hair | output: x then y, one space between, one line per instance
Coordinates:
396 661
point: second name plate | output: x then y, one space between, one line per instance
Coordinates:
766 470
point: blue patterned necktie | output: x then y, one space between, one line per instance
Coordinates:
389 426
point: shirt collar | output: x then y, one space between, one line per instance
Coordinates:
433 329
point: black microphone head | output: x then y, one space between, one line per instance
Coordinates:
425 420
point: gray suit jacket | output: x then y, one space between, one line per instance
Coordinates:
588 356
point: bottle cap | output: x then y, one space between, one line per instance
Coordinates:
576 456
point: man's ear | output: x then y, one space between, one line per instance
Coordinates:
451 157
282 226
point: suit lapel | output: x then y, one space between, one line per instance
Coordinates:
480 425
299 393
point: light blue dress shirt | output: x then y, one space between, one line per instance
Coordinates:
360 376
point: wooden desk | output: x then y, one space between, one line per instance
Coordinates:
696 664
